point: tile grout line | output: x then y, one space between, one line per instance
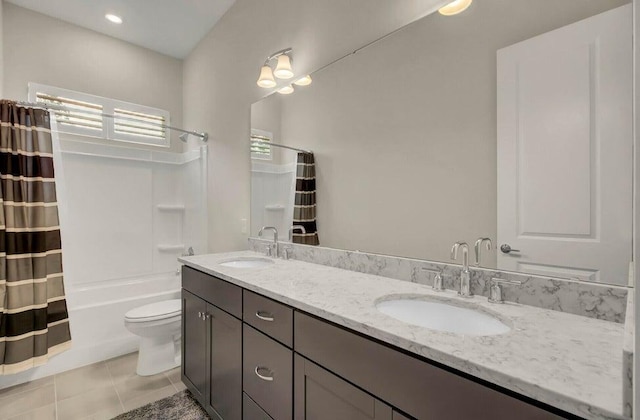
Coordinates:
55 396
113 383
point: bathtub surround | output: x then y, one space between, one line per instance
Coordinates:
606 302
34 322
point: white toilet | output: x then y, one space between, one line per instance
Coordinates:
158 326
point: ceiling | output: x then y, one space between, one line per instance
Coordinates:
171 27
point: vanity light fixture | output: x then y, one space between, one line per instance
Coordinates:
455 7
287 90
283 69
266 79
113 18
303 81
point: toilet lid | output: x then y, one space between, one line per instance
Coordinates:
155 311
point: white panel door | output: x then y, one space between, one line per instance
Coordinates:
565 150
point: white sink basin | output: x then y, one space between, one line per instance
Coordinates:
442 316
247 262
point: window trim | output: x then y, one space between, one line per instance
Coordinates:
261 133
108 124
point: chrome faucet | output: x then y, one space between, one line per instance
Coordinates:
478 248
294 227
465 276
287 250
272 249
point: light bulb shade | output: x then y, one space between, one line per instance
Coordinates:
266 79
303 81
283 68
455 7
287 90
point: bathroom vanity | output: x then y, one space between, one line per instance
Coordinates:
294 340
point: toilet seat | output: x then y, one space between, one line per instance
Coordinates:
155 311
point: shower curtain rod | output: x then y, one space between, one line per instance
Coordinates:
254 140
47 107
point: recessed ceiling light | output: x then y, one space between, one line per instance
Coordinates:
113 18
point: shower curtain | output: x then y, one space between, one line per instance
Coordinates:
304 209
34 322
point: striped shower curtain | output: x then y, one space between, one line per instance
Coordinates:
34 322
304 209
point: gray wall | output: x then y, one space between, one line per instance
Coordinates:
266 115
404 131
41 49
220 81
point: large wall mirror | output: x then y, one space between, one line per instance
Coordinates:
510 121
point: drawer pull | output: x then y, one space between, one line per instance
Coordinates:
263 377
265 316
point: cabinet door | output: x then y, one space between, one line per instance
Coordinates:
226 364
194 344
320 395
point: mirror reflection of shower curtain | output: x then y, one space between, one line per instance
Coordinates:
304 210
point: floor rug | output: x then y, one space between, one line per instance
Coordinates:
181 406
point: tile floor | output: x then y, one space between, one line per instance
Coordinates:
97 392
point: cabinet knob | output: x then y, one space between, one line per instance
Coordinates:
265 316
267 378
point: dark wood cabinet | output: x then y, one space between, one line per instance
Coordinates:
194 344
321 395
225 394
399 416
416 387
212 343
282 364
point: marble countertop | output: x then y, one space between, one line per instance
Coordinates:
564 360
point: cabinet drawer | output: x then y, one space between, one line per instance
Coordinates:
267 373
416 387
268 316
251 410
224 295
